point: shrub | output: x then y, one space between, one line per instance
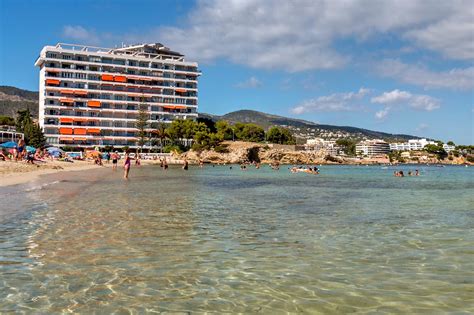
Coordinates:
173 148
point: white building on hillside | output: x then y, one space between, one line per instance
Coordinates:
411 145
318 144
90 96
448 148
372 148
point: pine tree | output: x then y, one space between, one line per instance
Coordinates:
141 124
36 136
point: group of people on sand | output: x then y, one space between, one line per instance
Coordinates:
410 173
20 153
308 169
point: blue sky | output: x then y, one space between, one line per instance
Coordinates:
395 66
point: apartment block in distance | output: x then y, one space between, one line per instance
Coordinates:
372 148
90 96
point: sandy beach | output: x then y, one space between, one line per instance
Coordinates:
13 173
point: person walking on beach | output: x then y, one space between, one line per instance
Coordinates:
126 165
21 149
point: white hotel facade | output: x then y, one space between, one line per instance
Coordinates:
90 96
411 145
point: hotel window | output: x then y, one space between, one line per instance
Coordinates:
94 59
67 57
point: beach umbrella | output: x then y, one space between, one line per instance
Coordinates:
54 149
30 149
9 144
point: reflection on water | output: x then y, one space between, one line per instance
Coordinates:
353 239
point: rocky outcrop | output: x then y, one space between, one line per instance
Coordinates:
247 152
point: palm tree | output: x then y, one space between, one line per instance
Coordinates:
160 132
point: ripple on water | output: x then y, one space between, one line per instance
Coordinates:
350 240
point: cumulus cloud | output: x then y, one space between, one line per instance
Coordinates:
303 35
382 114
79 33
331 103
393 97
451 35
456 79
403 98
251 83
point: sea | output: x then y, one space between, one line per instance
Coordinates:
353 239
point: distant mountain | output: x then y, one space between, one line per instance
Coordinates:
13 99
305 129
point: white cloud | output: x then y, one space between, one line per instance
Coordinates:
422 127
402 98
79 33
331 103
452 35
424 102
382 114
456 79
393 97
251 83
301 35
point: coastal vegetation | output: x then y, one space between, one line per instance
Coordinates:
348 146
7 121
182 135
33 134
141 124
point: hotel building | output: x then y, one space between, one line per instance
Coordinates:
372 148
412 144
90 96
318 144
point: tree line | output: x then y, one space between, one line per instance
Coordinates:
204 134
24 124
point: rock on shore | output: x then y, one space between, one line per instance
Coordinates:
245 152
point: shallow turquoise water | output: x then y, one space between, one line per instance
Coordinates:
352 239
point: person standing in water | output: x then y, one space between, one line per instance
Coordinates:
185 165
114 157
126 165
